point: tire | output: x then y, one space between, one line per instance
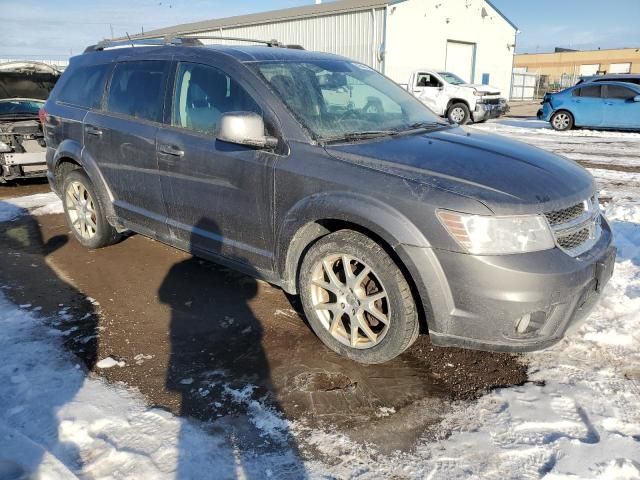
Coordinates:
458 113
84 212
390 316
562 121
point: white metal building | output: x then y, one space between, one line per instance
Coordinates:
470 38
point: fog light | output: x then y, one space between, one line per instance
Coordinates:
522 323
530 322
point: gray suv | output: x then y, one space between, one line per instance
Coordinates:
322 176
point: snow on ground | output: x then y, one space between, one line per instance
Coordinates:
37 204
58 422
579 417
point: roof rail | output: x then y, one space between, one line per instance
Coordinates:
182 40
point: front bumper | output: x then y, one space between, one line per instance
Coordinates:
22 165
485 111
480 299
545 112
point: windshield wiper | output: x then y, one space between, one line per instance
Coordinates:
355 136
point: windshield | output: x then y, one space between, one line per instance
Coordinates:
338 99
20 107
451 78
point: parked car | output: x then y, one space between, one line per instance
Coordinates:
24 86
597 105
320 175
612 77
449 96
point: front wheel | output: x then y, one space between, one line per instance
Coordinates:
458 113
84 212
356 298
562 121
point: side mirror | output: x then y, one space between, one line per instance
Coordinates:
244 128
636 98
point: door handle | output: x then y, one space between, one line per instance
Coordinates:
171 150
91 130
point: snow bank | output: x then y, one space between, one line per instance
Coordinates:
37 204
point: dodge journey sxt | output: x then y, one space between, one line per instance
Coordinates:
322 176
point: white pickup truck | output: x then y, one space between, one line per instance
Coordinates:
449 96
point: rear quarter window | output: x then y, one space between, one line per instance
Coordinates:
84 86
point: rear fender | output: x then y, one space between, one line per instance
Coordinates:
70 149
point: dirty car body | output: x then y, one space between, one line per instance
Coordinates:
503 245
24 87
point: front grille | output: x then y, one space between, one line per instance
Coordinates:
573 240
491 101
576 228
565 215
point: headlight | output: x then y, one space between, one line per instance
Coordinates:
478 94
4 148
484 235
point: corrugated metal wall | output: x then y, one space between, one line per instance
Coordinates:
357 35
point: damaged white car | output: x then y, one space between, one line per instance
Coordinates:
24 86
449 96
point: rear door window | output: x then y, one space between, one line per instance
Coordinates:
592 91
137 89
85 86
620 93
203 94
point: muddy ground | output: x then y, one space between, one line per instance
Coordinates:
191 333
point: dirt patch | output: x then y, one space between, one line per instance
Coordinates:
468 374
205 342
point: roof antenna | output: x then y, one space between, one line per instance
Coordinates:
130 39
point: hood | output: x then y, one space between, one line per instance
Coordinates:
488 89
507 176
27 80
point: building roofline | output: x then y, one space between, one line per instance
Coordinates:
315 10
504 17
637 49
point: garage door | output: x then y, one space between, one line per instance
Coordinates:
589 69
460 59
619 68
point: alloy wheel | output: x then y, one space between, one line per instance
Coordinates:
350 301
81 210
561 121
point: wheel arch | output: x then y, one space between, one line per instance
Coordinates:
71 156
457 100
301 229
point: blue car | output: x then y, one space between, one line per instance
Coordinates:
597 105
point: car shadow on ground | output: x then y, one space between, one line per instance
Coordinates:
60 305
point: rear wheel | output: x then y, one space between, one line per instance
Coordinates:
458 113
84 212
562 121
356 298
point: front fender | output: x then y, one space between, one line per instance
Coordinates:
300 226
